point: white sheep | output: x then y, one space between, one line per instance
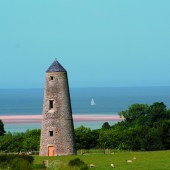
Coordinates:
92 166
134 158
129 161
112 165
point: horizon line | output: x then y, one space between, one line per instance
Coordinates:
24 88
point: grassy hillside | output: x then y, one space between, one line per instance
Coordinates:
158 160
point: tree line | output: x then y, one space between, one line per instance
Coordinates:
20 141
145 127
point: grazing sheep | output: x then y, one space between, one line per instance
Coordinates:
112 165
29 153
134 158
92 166
129 161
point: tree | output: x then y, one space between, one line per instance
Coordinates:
153 140
145 127
31 140
157 112
16 142
2 131
106 126
85 138
136 114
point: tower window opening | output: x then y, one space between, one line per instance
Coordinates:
51 77
51 104
51 133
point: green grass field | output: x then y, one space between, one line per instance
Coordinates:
158 160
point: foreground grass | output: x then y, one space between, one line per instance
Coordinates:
157 160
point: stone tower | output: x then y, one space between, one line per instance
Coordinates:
57 132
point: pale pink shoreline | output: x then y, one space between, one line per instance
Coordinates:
76 118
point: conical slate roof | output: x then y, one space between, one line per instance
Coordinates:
56 67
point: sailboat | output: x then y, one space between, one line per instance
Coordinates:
92 102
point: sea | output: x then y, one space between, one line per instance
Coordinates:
108 100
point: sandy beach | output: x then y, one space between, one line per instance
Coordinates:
76 118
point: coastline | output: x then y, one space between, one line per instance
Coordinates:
76 118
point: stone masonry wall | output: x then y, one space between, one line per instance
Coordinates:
59 118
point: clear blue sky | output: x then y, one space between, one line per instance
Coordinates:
100 42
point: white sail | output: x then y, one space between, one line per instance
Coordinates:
92 102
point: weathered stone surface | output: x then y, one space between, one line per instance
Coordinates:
59 118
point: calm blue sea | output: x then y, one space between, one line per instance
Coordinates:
108 101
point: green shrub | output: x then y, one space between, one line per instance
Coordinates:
7 158
20 164
75 162
78 163
84 167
